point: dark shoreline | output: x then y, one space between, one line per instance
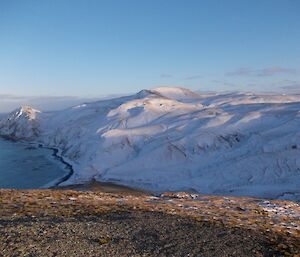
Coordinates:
55 154
91 185
61 159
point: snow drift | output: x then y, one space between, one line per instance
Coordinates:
175 139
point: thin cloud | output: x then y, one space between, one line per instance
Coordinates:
241 72
291 85
166 76
224 83
265 72
276 70
191 77
10 102
194 77
295 87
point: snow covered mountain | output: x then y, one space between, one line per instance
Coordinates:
175 139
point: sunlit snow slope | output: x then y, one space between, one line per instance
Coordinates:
174 139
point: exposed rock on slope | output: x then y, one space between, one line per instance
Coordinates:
175 139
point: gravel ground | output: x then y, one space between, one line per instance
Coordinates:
136 233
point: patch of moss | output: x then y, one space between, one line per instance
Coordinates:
104 240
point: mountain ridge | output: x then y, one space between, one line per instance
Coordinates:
174 139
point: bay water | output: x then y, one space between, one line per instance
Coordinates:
23 166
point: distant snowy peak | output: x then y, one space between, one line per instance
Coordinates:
21 123
147 106
145 93
25 111
176 93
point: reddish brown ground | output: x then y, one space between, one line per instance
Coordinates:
273 226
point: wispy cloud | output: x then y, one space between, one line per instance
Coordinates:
166 76
270 71
240 72
190 77
295 87
291 85
224 83
11 102
265 72
193 77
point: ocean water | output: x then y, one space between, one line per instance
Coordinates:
25 167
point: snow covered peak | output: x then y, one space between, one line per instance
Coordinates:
27 111
20 124
150 105
176 93
144 93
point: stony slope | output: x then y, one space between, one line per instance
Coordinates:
72 223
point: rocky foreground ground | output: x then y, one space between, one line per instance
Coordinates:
74 223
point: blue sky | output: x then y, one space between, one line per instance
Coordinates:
97 47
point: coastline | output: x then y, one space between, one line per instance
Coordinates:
55 154
61 159
92 185
65 165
